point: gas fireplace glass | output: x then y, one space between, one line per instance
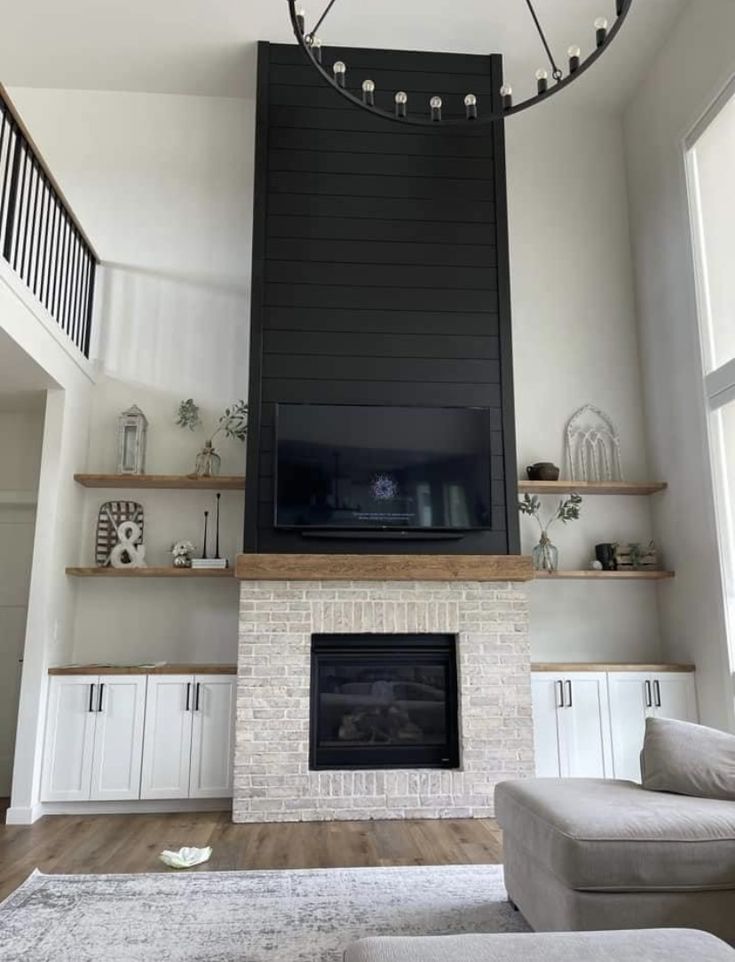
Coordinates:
384 701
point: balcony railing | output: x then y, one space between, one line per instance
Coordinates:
40 237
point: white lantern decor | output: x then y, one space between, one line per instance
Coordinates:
132 428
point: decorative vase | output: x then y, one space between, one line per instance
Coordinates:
545 555
543 471
208 462
182 561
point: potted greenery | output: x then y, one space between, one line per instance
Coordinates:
233 423
545 554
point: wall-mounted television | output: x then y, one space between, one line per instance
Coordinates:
369 467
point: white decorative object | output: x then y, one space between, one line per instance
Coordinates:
597 566
182 552
186 857
128 552
592 446
132 429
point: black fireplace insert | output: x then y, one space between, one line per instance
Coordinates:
383 701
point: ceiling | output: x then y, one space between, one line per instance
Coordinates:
22 381
208 46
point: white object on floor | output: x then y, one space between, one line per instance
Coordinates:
186 857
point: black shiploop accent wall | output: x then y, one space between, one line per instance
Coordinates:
380 268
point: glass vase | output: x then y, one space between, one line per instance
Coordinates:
208 462
545 555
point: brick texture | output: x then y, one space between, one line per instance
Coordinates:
272 777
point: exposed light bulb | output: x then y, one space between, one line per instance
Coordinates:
506 92
368 86
542 80
470 100
340 72
300 18
368 92
470 104
574 53
401 99
542 75
436 108
601 30
316 46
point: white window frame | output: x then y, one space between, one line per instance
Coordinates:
718 382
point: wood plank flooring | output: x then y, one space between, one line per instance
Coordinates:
103 844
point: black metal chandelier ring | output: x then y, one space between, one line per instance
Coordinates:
502 106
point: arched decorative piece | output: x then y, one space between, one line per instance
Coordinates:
593 446
337 74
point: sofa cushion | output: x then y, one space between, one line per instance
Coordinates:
607 836
688 759
652 945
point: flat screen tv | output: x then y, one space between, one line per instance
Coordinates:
344 466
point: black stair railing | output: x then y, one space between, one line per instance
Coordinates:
40 238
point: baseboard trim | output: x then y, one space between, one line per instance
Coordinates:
138 806
23 816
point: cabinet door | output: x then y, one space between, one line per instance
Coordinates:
212 739
546 695
69 742
584 727
118 737
674 696
631 700
167 737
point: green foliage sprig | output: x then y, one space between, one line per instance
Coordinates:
234 422
568 510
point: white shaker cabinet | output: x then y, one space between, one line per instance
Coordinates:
636 695
571 725
94 737
189 737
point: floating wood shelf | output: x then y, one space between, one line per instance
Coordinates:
591 487
163 668
607 575
233 482
151 572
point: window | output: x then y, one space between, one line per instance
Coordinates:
710 166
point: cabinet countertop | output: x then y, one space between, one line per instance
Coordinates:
156 669
608 666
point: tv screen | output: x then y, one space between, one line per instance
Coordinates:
370 467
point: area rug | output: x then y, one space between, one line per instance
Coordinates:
276 916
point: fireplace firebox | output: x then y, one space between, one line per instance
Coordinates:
383 701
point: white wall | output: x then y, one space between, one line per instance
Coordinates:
693 67
163 186
574 341
21 431
49 628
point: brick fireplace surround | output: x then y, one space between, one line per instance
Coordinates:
279 614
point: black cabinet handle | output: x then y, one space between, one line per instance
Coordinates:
560 703
91 698
99 701
657 693
649 703
196 697
188 695
569 693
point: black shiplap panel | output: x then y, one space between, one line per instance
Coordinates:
339 274
442 208
337 391
415 144
286 294
362 321
362 344
378 229
390 165
414 370
378 254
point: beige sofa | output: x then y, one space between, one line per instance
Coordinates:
588 854
653 946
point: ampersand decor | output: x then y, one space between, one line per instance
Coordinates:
128 553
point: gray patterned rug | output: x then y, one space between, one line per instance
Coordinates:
280 916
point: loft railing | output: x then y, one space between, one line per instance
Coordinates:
40 238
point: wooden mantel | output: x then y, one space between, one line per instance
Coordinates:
380 567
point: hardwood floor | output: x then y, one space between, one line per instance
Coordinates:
75 844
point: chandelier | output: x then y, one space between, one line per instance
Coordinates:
548 82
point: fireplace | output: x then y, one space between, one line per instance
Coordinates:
383 701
